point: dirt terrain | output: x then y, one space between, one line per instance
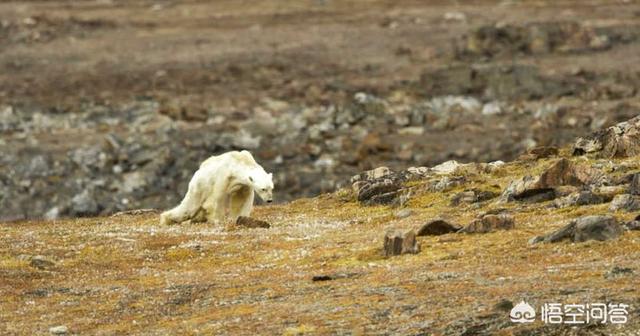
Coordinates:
111 105
320 269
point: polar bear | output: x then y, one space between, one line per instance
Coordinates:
223 182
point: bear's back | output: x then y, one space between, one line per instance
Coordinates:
233 158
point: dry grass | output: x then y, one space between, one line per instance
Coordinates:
129 275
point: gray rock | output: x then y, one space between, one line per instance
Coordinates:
380 192
437 227
446 168
41 262
626 202
584 197
90 157
562 172
84 204
634 186
472 196
58 330
372 174
632 225
490 223
53 213
621 140
404 213
446 183
397 242
617 272
596 228
586 228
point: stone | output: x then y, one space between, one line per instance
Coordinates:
404 213
621 140
372 174
41 262
609 192
582 229
83 204
383 191
585 197
437 227
472 196
562 172
446 183
58 330
617 272
252 223
445 168
634 186
632 225
626 202
397 242
490 223
596 228
418 171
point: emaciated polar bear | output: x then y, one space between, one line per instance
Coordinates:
223 182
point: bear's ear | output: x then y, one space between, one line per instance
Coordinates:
270 174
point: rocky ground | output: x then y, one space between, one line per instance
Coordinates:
111 105
443 250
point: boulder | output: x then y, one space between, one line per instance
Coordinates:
383 191
562 172
585 197
372 174
445 168
596 228
583 229
437 227
472 196
397 242
490 223
621 140
626 202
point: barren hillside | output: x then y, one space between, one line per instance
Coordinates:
321 268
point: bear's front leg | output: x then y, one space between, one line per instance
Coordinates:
241 203
216 209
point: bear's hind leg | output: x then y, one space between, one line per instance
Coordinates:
186 209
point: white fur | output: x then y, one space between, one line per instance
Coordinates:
222 183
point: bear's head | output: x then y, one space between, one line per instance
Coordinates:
262 184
